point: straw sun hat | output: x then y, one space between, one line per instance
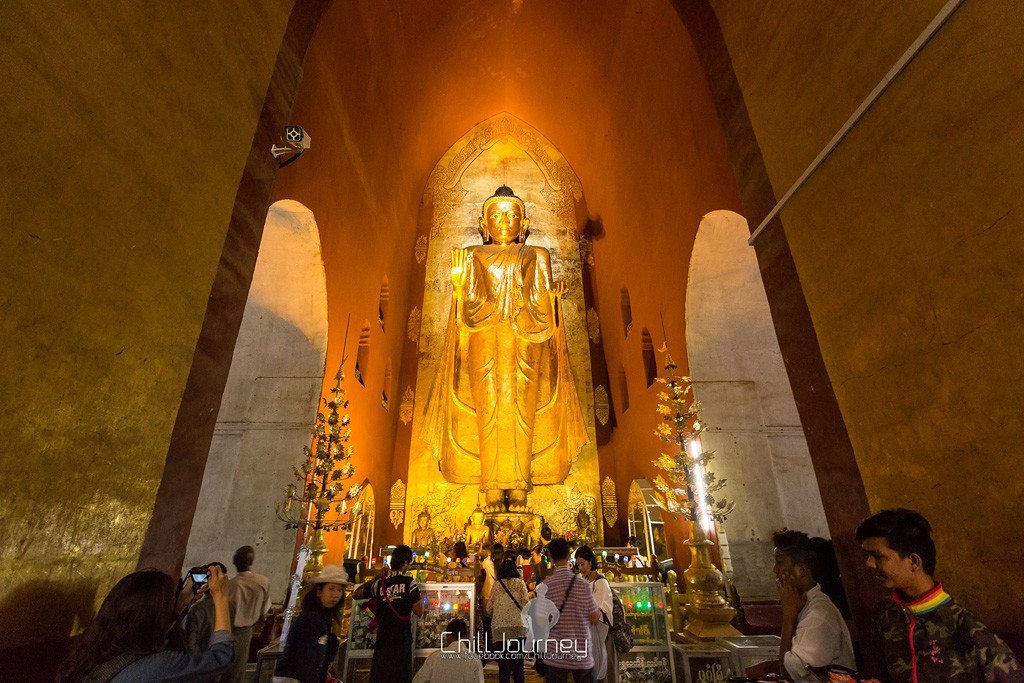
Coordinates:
332 573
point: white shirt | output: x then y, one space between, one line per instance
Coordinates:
603 596
821 638
448 667
489 575
249 592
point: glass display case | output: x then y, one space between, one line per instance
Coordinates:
750 650
360 642
443 602
650 660
704 662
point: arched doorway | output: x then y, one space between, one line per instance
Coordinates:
645 522
359 537
740 378
270 399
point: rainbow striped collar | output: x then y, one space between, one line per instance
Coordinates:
929 602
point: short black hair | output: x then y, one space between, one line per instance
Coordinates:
507 569
497 548
905 531
460 550
545 532
458 628
243 558
559 549
401 556
798 547
585 553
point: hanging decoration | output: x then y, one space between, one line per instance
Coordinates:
421 249
397 503
609 502
593 326
602 408
405 410
412 329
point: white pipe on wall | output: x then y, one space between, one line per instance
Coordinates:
915 47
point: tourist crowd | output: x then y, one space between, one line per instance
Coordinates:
151 628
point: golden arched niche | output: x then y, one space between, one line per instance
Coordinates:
503 150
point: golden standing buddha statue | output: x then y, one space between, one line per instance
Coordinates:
503 412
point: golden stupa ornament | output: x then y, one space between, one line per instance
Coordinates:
687 488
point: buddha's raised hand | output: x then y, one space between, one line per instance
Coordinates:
460 263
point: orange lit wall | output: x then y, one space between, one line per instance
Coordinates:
615 86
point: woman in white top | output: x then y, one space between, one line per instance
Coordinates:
605 661
508 597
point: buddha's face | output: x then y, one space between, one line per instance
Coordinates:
424 521
504 220
478 517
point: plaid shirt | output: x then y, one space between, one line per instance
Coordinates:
573 622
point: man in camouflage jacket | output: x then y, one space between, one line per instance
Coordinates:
923 634
933 638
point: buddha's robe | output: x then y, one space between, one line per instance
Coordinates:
503 411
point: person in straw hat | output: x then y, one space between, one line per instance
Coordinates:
311 646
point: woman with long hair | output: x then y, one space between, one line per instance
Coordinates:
605 661
126 640
508 597
311 646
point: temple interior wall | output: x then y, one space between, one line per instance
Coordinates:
129 125
140 120
907 246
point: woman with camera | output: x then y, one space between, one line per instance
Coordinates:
126 640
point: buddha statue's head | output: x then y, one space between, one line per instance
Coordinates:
504 220
477 517
582 519
423 520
